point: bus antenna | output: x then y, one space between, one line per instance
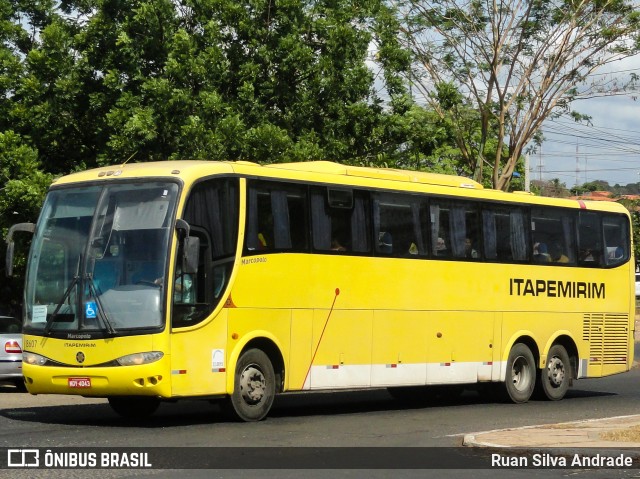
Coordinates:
132 155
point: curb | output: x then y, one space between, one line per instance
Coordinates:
584 434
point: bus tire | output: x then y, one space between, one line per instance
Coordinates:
554 380
134 406
254 386
521 373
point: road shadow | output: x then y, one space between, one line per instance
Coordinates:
9 388
303 404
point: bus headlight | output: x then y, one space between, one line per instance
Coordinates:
34 359
140 358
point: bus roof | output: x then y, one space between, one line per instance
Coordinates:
325 172
204 168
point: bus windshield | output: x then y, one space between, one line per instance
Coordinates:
99 258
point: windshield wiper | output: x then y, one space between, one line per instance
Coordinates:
54 315
102 314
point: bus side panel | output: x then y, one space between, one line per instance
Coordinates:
198 358
460 347
399 353
259 324
342 349
301 350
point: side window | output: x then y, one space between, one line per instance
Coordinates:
590 247
340 220
616 239
455 229
505 233
276 218
398 225
553 236
212 213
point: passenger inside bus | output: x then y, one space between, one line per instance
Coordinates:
183 288
441 247
336 245
557 255
540 253
385 243
470 251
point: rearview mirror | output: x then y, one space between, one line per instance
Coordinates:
26 227
190 247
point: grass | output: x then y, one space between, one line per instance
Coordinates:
631 434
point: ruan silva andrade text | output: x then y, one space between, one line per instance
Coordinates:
551 460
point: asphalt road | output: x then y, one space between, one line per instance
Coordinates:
347 419
331 419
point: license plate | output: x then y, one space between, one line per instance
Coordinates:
79 382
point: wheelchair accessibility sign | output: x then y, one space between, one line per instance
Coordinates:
90 309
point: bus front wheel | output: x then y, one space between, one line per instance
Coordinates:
521 373
254 386
554 380
134 406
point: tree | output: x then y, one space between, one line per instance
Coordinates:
93 82
214 79
20 199
515 62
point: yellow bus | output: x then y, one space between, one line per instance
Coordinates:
235 281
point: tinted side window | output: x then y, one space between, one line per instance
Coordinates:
276 217
342 224
590 245
505 233
399 225
212 213
553 235
616 239
213 207
455 229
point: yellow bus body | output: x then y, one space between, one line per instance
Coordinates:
357 321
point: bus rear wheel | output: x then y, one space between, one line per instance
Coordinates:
555 378
521 373
134 406
254 386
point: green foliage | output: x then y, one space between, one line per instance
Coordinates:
24 182
96 82
20 198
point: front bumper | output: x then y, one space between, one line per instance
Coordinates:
141 380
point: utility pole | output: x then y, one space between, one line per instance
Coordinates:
540 164
577 163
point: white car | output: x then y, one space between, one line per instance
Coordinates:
11 350
637 285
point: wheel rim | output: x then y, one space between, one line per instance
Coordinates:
555 372
253 385
521 374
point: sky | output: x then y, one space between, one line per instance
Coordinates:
608 148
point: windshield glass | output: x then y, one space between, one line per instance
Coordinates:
99 257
